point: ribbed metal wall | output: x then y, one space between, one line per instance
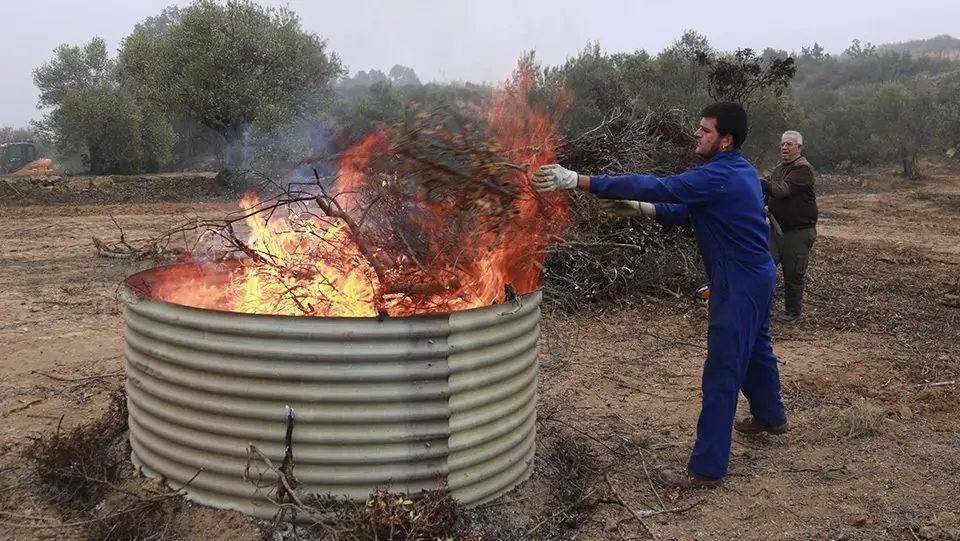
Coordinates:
405 404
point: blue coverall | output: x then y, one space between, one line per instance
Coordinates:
723 201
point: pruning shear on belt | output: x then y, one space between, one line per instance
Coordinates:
702 297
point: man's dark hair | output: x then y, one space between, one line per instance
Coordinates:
731 120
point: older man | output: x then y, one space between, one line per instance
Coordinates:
792 201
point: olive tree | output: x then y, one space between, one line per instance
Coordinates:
231 66
92 115
905 121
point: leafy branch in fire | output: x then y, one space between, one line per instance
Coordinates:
428 193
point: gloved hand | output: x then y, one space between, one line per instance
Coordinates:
628 208
554 177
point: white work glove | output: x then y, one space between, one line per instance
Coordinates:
553 177
625 209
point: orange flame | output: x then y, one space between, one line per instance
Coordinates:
316 268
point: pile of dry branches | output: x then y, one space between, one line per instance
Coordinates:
77 466
605 259
387 515
80 472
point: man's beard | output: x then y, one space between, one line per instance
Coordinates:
710 152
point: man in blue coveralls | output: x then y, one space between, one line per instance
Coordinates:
723 201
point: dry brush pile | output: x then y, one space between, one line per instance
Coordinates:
84 474
607 260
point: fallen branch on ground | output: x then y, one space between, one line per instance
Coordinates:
124 250
953 301
938 384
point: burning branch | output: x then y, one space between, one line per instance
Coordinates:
331 208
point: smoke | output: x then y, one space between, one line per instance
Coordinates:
269 160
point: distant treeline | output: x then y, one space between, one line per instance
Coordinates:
238 85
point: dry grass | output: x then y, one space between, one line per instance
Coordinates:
859 420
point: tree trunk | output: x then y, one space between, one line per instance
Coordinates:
93 154
233 172
909 162
238 152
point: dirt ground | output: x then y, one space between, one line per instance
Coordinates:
871 380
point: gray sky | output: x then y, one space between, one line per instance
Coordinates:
480 40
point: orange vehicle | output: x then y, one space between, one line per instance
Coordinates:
20 159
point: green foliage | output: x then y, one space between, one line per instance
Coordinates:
404 76
838 134
876 104
9 134
231 66
904 121
234 83
942 45
681 78
597 83
73 68
102 120
399 76
949 111
95 117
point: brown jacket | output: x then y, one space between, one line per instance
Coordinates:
790 195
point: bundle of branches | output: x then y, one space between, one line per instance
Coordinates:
656 143
428 516
605 259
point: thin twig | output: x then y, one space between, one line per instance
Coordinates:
83 378
646 472
23 407
283 478
620 500
561 512
938 384
646 513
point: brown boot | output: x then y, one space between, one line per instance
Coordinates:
749 425
686 479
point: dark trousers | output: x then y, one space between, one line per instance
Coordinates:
739 358
791 251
